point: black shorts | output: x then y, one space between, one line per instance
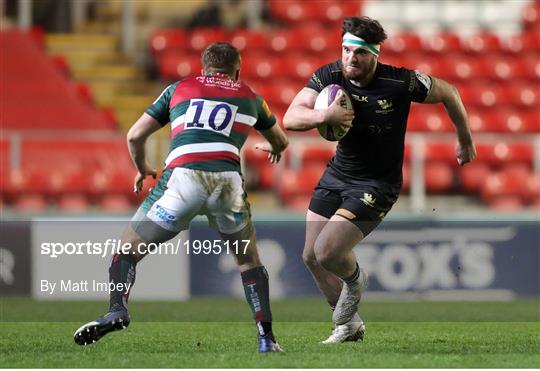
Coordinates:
369 201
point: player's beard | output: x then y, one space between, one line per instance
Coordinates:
362 71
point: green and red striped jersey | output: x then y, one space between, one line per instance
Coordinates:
210 117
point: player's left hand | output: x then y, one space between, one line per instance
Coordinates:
465 152
273 157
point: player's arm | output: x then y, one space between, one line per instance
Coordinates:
278 141
136 139
301 116
447 94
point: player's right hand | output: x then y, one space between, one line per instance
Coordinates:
139 178
336 115
465 152
273 156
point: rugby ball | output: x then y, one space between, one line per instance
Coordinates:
324 100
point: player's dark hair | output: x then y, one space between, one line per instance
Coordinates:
220 57
367 28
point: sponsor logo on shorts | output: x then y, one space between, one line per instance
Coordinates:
164 214
368 199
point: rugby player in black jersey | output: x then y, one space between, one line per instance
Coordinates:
363 180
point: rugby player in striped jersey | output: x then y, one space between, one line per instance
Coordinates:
211 116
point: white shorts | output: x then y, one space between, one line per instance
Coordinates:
181 194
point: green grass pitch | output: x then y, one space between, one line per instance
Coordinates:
217 332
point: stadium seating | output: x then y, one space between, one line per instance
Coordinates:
30 77
497 73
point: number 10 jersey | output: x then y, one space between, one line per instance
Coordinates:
210 117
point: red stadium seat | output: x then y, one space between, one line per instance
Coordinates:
246 39
402 43
533 188
33 203
473 176
253 156
175 65
300 183
471 68
200 38
424 64
109 182
521 43
334 11
296 67
481 43
512 121
480 123
530 67
282 40
441 152
531 121
517 170
267 175
73 203
439 177
500 153
524 95
320 11
115 204
513 181
290 11
429 118
316 155
507 203
298 203
261 67
168 39
319 42
443 43
531 14
61 182
509 69
484 95
282 92
28 75
31 180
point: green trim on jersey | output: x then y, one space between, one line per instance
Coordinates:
160 108
265 118
158 191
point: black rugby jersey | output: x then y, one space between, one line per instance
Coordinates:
372 150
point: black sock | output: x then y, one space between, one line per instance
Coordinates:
332 304
353 277
122 270
265 329
255 283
